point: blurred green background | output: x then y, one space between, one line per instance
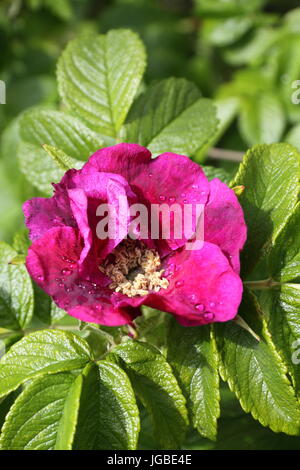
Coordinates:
248 50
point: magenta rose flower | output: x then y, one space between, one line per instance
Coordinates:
106 281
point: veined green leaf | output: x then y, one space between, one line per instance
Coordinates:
42 352
16 293
36 419
281 307
155 385
108 414
62 160
270 174
98 78
193 356
284 258
212 172
57 129
5 405
171 116
39 167
256 373
21 241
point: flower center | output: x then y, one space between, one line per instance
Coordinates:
134 269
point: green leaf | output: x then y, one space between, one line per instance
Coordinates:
41 352
38 416
280 303
171 116
288 72
62 160
16 293
262 119
98 77
155 385
62 9
212 172
227 110
293 137
108 414
193 356
5 405
270 174
68 142
18 259
281 307
57 129
223 32
152 326
256 374
45 309
21 241
39 168
228 7
8 339
284 258
292 20
254 50
239 431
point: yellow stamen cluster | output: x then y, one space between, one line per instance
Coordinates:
134 270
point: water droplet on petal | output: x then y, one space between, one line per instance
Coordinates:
195 186
98 307
183 194
80 285
212 304
209 316
172 199
192 298
162 198
66 272
185 201
199 307
179 283
41 277
150 175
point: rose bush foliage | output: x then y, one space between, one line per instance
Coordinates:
66 253
148 381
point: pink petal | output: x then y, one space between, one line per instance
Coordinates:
124 159
104 313
52 262
41 214
224 223
168 179
203 287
